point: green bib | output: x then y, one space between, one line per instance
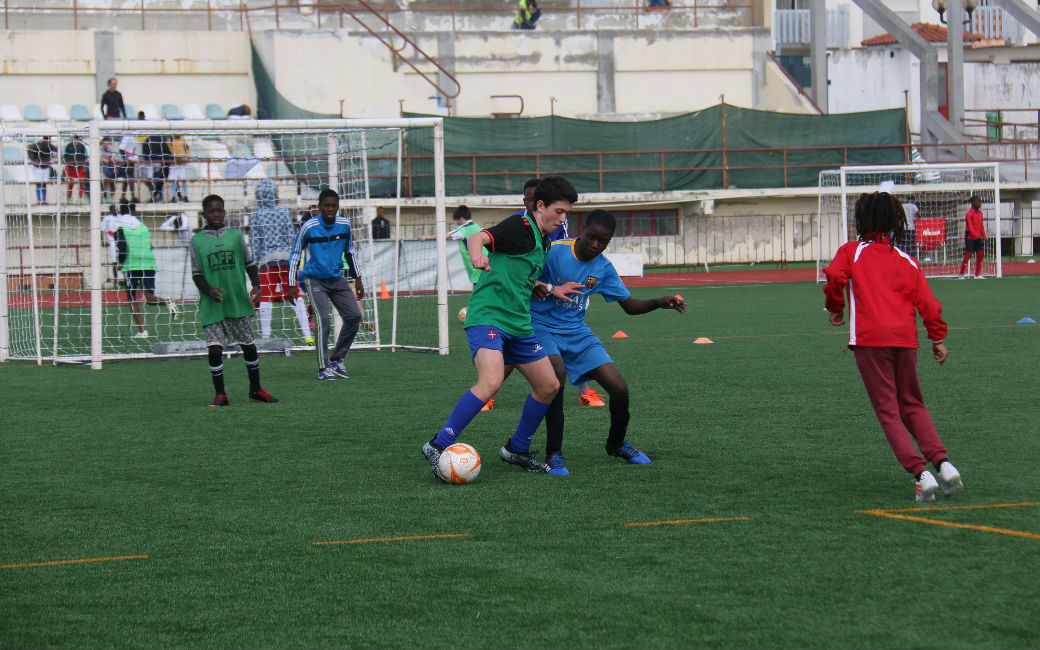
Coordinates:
223 266
502 296
468 231
139 249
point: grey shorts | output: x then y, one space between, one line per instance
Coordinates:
230 331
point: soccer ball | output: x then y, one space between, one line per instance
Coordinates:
459 464
462 314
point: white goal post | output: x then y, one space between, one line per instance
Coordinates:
940 192
64 300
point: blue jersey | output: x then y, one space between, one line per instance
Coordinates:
556 235
561 265
325 245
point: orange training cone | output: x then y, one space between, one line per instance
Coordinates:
383 293
678 297
703 340
620 335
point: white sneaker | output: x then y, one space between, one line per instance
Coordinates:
950 478
926 487
980 277
141 335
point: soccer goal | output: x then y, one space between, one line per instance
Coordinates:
940 193
63 192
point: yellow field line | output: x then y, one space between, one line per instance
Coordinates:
392 539
893 514
687 521
967 507
89 559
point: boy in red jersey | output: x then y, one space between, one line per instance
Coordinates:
886 288
974 237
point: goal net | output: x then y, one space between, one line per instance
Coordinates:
939 192
72 199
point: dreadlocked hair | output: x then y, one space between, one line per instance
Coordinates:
880 214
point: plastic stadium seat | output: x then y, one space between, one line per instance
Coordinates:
171 112
193 112
131 114
215 112
34 113
150 112
10 113
57 113
80 113
98 115
12 154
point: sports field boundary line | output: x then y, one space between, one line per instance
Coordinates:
705 520
82 561
895 513
370 540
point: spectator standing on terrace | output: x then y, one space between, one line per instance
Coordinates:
40 154
75 160
112 106
527 14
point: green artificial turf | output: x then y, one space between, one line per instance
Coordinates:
764 445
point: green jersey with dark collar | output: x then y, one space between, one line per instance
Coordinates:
502 296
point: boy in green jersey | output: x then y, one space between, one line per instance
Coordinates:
219 261
498 322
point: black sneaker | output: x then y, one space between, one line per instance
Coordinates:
433 454
527 461
219 400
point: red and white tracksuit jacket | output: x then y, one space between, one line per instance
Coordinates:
885 289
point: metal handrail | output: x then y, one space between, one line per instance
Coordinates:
636 9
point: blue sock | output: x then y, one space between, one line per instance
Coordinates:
465 410
532 415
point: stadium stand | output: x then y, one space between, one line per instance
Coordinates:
34 113
171 112
193 112
57 113
150 112
215 112
79 113
10 113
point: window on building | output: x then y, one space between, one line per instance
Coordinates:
634 223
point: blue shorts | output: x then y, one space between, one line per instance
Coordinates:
580 349
514 349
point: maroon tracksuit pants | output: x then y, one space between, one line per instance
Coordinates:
890 377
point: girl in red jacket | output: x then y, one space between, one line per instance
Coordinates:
974 237
886 289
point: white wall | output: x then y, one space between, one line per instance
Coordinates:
59 67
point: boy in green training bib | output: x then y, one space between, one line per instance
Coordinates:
219 261
498 322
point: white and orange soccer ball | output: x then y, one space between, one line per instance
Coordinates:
462 314
459 464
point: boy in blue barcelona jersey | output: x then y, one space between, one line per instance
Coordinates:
326 238
586 395
574 351
498 322
220 261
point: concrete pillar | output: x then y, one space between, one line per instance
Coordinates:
605 73
104 61
446 57
818 50
955 62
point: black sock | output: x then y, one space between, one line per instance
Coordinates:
619 416
216 368
252 360
554 425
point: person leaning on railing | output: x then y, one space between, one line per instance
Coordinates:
527 14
